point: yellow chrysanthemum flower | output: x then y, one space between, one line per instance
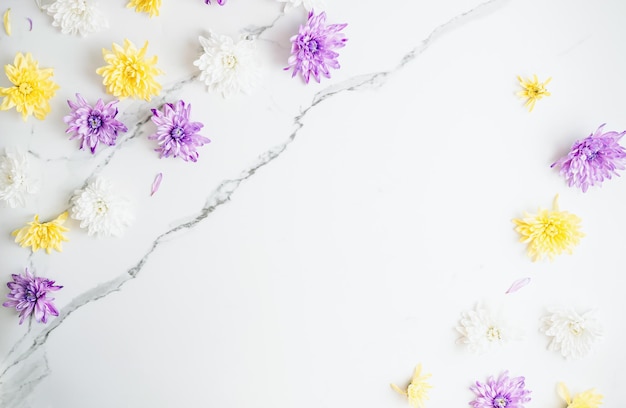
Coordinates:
130 73
32 88
47 235
417 391
549 232
146 6
533 90
587 399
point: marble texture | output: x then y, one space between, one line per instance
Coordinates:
330 235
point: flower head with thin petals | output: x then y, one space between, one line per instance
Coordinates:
29 296
313 48
308 4
572 334
226 66
16 178
586 399
533 90
503 392
145 6
549 232
76 16
32 88
46 235
93 125
417 390
593 159
176 134
100 209
481 329
220 2
129 73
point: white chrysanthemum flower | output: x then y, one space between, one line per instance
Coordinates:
76 16
572 334
100 209
226 66
16 179
481 329
318 5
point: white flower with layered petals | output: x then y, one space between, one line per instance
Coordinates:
100 209
573 334
16 179
226 66
481 329
318 5
76 16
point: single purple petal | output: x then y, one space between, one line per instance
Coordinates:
30 24
156 183
518 284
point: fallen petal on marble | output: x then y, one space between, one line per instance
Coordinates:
518 284
156 183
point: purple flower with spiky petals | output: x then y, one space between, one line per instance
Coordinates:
220 2
593 159
176 135
505 392
29 295
313 48
93 124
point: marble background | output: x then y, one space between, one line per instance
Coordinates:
331 234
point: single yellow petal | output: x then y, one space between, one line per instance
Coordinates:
7 21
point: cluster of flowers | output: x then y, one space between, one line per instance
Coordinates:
501 392
589 162
227 66
571 334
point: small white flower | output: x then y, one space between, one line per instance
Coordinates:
76 16
318 5
481 329
572 334
100 209
226 66
16 179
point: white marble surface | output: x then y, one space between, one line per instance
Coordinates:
330 235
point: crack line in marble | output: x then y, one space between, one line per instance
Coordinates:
227 188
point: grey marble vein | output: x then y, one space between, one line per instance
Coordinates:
30 350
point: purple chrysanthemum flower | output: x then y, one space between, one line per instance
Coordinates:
177 136
505 392
220 2
593 159
29 295
312 50
93 124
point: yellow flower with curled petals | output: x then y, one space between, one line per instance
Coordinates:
130 73
32 87
587 399
533 90
145 6
417 391
46 235
549 232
